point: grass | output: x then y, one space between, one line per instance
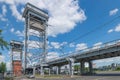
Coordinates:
8 78
52 76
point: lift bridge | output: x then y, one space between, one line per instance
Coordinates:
36 46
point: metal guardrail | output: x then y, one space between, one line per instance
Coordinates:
88 50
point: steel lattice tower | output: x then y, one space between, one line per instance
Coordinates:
35 34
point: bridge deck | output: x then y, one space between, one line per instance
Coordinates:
107 50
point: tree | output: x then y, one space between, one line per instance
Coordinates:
3 43
76 67
2 67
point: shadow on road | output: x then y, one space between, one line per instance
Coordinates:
108 74
105 74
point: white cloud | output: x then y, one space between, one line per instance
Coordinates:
2 58
12 30
58 45
52 55
15 13
3 14
113 12
49 47
4 10
29 54
2 18
13 6
108 60
111 30
22 10
7 1
55 45
81 46
63 43
19 33
34 44
104 60
35 33
97 45
117 29
72 45
64 15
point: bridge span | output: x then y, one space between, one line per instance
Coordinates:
107 50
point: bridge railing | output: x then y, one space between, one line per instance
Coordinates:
90 49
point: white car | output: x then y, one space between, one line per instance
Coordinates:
31 76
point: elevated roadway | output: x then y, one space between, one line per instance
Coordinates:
107 50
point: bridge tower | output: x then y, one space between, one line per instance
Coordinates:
35 35
16 57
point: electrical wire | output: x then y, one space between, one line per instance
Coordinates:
88 33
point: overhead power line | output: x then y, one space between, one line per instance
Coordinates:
88 33
96 29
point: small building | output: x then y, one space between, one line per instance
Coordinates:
17 67
16 57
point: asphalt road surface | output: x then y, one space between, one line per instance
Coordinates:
100 76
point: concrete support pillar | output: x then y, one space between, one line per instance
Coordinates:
82 66
71 66
50 70
90 67
42 71
58 70
34 71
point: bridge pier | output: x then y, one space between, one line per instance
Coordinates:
82 67
50 69
42 71
71 66
58 70
90 67
34 70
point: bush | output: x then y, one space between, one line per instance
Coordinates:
118 69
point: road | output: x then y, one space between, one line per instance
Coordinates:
99 76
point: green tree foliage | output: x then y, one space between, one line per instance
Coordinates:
2 67
3 43
76 67
118 69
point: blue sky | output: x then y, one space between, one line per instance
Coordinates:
70 19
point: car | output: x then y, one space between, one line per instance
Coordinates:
30 76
